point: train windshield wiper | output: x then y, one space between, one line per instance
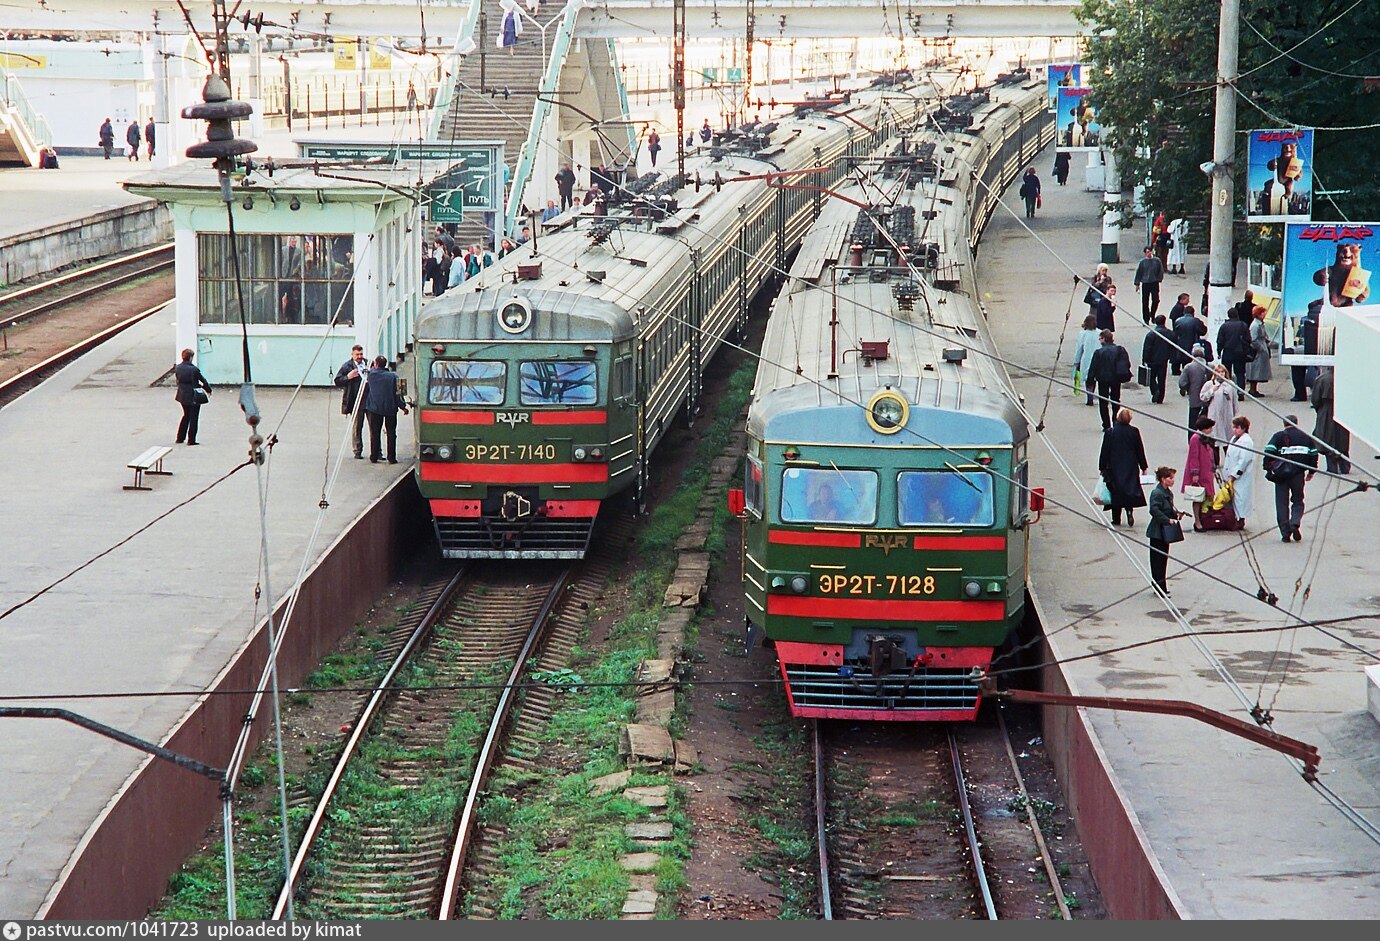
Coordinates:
963 477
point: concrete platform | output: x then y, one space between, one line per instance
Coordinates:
1233 827
165 611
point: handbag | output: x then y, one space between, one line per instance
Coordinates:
1039 201
1090 297
200 396
1173 531
1194 493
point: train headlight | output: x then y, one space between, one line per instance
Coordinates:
515 315
799 583
444 452
580 454
887 412
972 588
596 454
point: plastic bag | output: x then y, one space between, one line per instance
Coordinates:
1223 496
1100 494
1078 382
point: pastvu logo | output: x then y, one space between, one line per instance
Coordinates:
12 931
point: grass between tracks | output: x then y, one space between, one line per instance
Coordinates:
560 847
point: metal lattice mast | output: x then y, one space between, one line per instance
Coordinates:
678 80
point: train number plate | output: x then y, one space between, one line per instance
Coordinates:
905 586
510 452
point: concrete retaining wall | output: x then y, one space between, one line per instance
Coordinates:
99 237
159 816
1132 884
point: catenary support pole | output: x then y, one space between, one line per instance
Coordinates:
1111 217
1220 268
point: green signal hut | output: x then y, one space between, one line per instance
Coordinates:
329 256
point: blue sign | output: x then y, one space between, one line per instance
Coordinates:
1066 75
1329 266
1075 120
1279 175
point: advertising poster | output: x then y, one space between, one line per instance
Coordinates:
1075 118
1067 75
1327 267
1279 176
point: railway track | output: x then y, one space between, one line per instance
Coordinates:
392 833
78 285
899 834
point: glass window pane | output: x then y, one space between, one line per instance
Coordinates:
752 485
555 382
944 498
828 495
466 383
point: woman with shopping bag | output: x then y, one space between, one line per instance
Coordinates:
1200 467
1120 462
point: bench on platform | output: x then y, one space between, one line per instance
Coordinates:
150 462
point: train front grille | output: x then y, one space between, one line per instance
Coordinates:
534 538
927 689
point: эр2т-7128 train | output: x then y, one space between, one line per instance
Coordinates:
884 538
545 382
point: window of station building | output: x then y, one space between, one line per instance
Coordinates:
466 382
828 495
960 497
558 382
752 486
286 279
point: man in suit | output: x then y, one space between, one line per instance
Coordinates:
350 378
565 186
383 402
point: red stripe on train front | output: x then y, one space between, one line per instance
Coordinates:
831 655
970 543
438 417
555 509
446 471
451 509
592 417
787 537
885 609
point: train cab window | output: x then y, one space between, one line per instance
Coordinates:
828 495
944 498
466 382
558 382
752 486
1020 492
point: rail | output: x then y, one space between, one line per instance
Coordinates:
826 898
970 831
550 81
161 251
16 385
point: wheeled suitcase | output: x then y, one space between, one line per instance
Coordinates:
1206 518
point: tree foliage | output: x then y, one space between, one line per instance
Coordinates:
1153 65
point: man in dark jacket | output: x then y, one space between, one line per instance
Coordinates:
1156 354
149 131
1291 460
1334 438
1188 330
349 378
1110 367
132 138
1308 338
107 138
1030 191
1195 375
190 384
565 186
1149 274
1104 308
383 402
1233 346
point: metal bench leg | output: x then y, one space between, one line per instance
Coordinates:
158 469
138 481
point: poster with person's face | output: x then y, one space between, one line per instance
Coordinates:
1075 119
1066 75
1279 176
1328 266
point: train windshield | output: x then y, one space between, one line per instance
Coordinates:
466 382
828 495
944 498
559 382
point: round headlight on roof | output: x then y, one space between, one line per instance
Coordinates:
888 412
515 315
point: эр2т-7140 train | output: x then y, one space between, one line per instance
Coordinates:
884 538
545 382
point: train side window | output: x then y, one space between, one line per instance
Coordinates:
558 382
466 382
1020 493
944 498
752 486
623 376
820 495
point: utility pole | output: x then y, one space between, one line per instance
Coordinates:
678 82
1220 268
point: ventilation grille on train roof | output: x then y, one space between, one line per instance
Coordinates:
928 689
541 538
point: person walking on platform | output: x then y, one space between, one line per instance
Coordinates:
192 391
1164 527
1155 356
1120 462
1111 366
107 138
411 97
382 402
149 131
1334 438
1082 357
1307 338
1233 349
706 132
1101 280
1200 467
565 186
1239 468
1149 274
1258 365
1290 462
653 145
1030 191
1105 309
132 139
1178 245
1219 403
1191 382
1187 329
1061 167
350 379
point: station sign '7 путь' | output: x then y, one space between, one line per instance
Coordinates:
476 185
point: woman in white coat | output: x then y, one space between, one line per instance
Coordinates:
1082 355
1219 401
1178 251
1239 468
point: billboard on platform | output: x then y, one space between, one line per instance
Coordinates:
1328 266
1279 175
1075 119
1063 75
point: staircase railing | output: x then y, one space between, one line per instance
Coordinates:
445 92
550 82
33 124
624 108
